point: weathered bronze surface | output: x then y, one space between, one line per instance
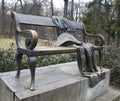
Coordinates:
85 51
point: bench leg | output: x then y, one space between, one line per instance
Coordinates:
88 54
32 66
18 62
79 60
94 66
100 58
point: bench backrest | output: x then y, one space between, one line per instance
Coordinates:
25 19
39 21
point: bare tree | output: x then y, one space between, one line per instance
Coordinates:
52 10
65 8
72 7
36 7
20 5
3 17
76 11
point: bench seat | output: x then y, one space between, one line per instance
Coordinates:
47 50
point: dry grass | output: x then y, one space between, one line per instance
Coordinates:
5 42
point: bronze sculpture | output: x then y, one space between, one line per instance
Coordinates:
84 50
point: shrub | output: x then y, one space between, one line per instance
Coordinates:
111 60
55 59
7 60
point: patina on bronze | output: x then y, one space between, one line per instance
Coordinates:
85 51
85 54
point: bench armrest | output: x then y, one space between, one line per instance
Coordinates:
31 38
100 38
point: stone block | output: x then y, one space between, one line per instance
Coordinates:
62 82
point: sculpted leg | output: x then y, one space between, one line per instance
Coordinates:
32 66
18 61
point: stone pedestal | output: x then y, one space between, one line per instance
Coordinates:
62 82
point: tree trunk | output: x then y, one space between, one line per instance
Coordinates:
52 10
72 4
65 8
3 18
117 41
108 39
76 17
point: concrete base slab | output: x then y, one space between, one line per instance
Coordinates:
62 82
112 94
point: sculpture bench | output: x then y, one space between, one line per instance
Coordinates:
84 50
